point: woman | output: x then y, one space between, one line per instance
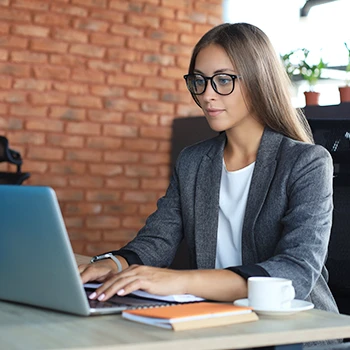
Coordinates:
254 201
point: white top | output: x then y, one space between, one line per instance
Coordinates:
234 190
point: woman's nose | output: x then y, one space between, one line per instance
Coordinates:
209 93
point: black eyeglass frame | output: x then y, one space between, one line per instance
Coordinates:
212 83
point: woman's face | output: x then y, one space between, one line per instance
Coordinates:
222 112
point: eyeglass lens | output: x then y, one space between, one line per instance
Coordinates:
223 84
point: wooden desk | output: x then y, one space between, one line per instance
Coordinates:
25 327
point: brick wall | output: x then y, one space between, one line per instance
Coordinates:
88 93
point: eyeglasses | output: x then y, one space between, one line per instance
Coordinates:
223 84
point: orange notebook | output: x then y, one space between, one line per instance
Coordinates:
191 315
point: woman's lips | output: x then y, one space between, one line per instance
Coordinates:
214 112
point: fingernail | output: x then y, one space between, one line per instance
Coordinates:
121 292
92 295
101 297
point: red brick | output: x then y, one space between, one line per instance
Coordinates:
192 16
52 180
28 111
3 110
207 7
140 145
159 11
120 130
45 153
124 80
51 72
48 98
87 50
189 39
65 141
4 28
106 90
91 25
158 107
102 222
125 55
70 35
3 55
105 169
105 66
117 208
31 4
102 196
74 88
85 75
13 97
67 168
165 146
155 158
142 94
25 137
107 39
183 62
103 142
141 119
84 155
139 196
200 29
70 10
185 110
143 44
108 15
48 45
68 60
160 132
133 222
13 41
102 116
73 222
51 19
45 125
142 20
85 101
121 105
159 83
65 113
13 15
16 70
163 36
85 181
28 56
140 171
176 49
82 208
142 69
164 171
178 4
125 6
122 182
91 3
70 194
39 167
81 234
5 82
163 60
166 120
83 128
176 96
121 157
31 30
147 209
11 123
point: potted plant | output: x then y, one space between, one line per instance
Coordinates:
311 73
344 91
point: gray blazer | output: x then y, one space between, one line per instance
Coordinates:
287 222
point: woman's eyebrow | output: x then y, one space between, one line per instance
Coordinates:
223 70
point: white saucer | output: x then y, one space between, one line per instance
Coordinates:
296 306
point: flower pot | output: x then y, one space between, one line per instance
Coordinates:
344 92
311 98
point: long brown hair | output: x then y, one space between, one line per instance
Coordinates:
263 77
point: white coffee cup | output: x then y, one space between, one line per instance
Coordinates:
270 293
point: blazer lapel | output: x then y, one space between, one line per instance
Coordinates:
207 204
263 174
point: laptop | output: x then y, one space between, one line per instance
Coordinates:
37 263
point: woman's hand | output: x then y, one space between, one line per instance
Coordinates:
98 271
153 280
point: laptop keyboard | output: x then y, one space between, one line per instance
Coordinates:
126 302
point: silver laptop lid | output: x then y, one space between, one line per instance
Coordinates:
37 264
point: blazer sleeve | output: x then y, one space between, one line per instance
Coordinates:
157 241
302 248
